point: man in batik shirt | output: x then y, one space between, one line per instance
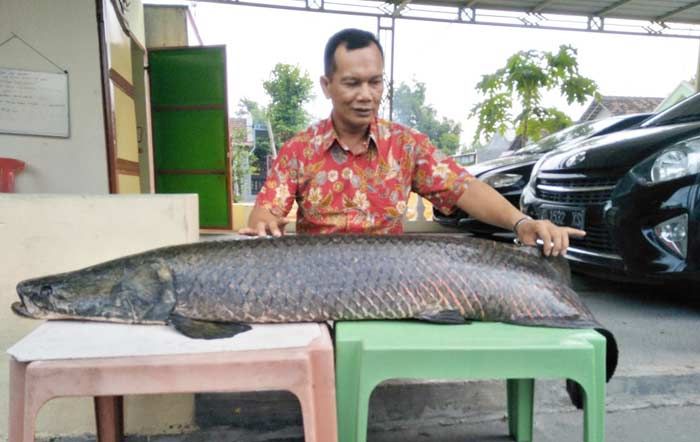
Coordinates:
353 172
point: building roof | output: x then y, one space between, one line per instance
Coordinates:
620 106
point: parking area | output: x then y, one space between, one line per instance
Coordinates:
656 326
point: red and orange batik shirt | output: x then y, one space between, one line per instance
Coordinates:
339 192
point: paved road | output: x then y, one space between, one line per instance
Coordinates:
657 328
677 424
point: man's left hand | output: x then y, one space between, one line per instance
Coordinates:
555 239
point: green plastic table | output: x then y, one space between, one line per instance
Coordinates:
369 352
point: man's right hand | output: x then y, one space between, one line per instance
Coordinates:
262 223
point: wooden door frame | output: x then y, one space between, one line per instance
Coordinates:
113 163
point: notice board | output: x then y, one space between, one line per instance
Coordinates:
34 103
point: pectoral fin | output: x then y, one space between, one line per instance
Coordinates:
442 317
576 393
198 329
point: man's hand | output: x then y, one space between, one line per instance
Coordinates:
555 239
262 223
485 204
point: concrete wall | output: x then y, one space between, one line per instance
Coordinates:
65 32
45 234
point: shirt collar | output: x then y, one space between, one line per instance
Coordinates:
330 136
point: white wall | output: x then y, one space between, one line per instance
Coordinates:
66 32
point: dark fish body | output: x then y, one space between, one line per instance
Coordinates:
318 278
298 279
213 288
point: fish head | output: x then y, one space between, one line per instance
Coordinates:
116 291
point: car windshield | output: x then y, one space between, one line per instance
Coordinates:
564 136
686 111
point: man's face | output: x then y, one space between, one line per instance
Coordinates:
356 86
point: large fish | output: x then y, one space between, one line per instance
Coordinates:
214 288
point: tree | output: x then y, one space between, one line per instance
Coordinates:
410 109
242 162
288 89
259 116
552 121
526 75
256 111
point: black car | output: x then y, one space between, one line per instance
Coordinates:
509 174
636 193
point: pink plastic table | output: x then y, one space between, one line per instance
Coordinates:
109 361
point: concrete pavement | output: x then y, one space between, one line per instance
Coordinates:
655 424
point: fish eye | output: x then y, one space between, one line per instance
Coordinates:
46 290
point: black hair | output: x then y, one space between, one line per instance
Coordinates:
352 39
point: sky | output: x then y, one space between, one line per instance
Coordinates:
449 58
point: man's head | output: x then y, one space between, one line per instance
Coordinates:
353 80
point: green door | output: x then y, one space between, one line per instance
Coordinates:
190 128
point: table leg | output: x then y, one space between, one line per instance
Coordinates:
109 413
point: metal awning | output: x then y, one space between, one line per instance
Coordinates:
654 11
669 18
672 18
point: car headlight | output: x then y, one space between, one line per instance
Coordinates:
681 159
501 180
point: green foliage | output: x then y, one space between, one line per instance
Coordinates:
526 75
288 89
242 162
553 120
262 140
410 109
256 111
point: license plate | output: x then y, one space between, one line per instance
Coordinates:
564 216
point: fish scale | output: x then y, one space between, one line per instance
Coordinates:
377 277
318 278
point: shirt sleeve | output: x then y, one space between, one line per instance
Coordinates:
437 176
280 188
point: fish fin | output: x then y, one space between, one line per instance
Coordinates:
562 269
442 317
575 392
149 290
611 353
198 329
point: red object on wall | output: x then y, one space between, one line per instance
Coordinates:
8 168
